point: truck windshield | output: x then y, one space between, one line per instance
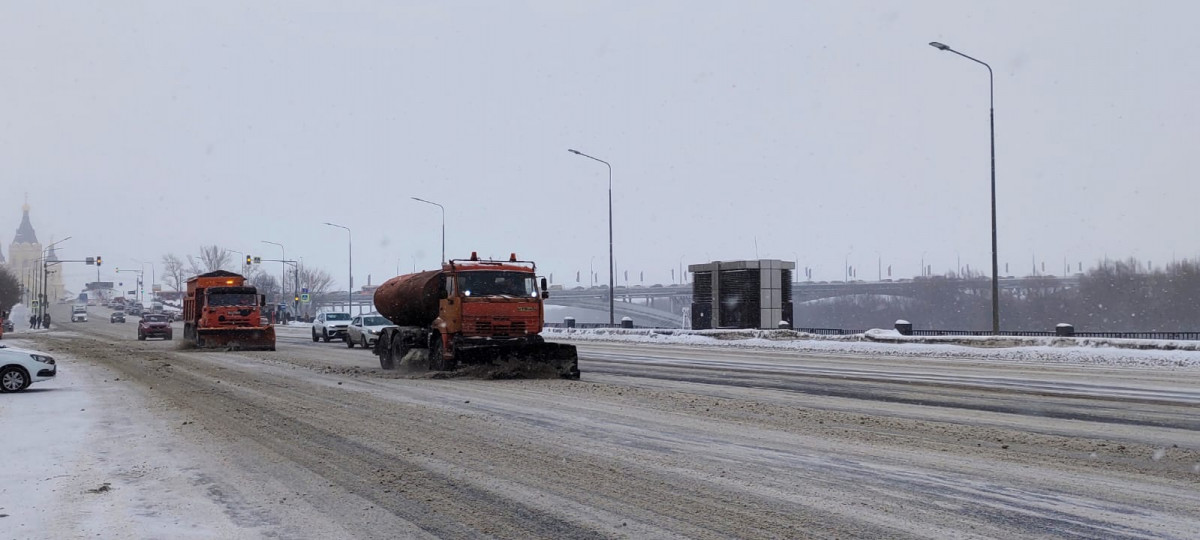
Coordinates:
232 300
485 283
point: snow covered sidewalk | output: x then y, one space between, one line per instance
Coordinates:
85 457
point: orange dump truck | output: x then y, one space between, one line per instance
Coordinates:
471 312
221 312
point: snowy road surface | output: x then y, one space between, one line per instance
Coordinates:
314 440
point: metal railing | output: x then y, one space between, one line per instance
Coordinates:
1178 335
1185 336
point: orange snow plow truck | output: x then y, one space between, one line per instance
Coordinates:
221 312
472 312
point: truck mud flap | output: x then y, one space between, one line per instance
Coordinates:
530 361
237 339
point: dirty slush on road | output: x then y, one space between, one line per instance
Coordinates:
386 452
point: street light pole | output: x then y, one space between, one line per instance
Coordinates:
443 225
350 284
282 268
241 262
992 120
45 278
611 268
152 277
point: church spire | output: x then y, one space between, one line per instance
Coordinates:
25 234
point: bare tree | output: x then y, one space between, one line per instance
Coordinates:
266 284
174 271
315 279
211 258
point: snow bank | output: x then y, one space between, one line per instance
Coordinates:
1046 350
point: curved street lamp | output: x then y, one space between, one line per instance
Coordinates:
350 283
992 119
282 268
42 309
611 273
443 225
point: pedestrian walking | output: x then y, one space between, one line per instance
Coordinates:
33 321
46 321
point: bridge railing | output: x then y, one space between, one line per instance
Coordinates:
829 331
584 325
1178 336
1182 336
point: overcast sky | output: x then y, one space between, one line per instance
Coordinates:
817 132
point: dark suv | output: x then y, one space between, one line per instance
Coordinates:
154 325
117 317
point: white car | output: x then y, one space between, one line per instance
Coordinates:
364 330
329 325
20 368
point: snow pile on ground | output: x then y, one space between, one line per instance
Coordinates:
1099 351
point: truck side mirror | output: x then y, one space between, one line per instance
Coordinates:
545 290
262 300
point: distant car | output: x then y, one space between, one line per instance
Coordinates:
117 317
8 325
79 313
20 368
154 325
364 330
330 325
134 310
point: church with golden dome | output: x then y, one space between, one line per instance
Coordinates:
25 262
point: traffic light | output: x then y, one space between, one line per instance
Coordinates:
296 299
247 260
98 261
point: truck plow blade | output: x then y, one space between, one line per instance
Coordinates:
531 361
237 339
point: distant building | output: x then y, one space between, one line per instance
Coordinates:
742 294
25 262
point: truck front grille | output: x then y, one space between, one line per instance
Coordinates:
495 327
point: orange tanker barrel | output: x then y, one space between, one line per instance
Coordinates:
411 299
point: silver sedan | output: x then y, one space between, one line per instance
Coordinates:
364 330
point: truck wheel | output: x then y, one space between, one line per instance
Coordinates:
315 338
436 360
386 359
349 342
